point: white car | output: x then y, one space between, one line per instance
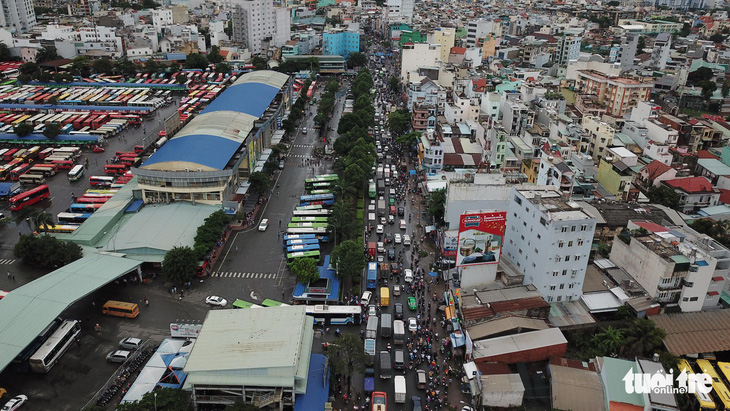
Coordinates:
130 343
397 238
215 300
15 403
304 130
365 299
381 247
408 275
402 224
264 224
372 311
412 325
379 229
406 240
118 356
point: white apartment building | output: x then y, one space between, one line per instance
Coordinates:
255 21
549 239
17 15
674 264
461 109
480 29
568 48
400 11
161 18
415 56
100 41
601 136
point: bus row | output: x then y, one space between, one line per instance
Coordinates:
719 397
70 121
108 96
23 160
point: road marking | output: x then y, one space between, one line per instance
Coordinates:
7 261
235 274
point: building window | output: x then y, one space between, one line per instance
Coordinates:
577 258
573 273
564 229
558 258
560 298
572 228
555 273
580 242
552 288
583 227
565 272
694 298
562 286
560 244
570 243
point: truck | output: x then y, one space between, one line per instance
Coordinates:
372 329
399 332
371 219
400 389
369 382
381 187
381 208
384 296
386 326
379 172
386 370
370 350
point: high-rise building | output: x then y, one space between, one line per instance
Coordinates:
400 11
17 14
627 52
256 21
568 48
549 239
481 29
340 42
660 53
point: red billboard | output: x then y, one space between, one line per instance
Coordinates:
480 238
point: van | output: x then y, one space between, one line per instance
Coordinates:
385 368
399 362
421 378
384 296
386 326
120 309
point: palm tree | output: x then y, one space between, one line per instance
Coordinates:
345 190
644 338
609 340
340 218
44 220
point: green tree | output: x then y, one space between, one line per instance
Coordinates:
725 89
223 68
408 140
717 38
23 129
149 4
699 75
103 65
641 44
52 130
394 84
345 190
348 258
29 68
46 251
151 66
260 182
80 66
348 122
47 53
180 264
356 59
259 63
347 357
5 53
643 338
125 67
214 55
196 61
437 205
304 269
609 340
181 78
342 216
663 195
708 88
399 122
161 399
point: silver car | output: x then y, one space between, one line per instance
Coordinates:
130 343
118 356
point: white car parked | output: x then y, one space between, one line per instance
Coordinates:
397 238
15 403
264 224
215 300
130 343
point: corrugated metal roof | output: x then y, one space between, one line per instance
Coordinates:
612 372
27 310
502 325
699 332
576 389
265 347
519 342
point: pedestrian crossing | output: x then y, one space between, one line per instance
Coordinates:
302 145
7 261
253 276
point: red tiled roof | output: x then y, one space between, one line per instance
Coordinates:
691 184
655 169
489 368
651 227
457 50
457 159
724 196
518 305
479 84
706 154
475 313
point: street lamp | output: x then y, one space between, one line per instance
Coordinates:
155 394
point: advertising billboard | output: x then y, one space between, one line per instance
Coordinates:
480 238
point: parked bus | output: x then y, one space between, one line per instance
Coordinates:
83 208
55 346
291 243
272 303
76 172
372 190
74 151
101 181
320 232
303 254
335 314
309 219
299 237
120 309
91 200
308 225
702 401
21 362
115 169
61 164
311 213
47 170
244 304
327 191
372 275
31 178
59 228
322 178
321 199
719 390
320 186
302 247
29 197
72 218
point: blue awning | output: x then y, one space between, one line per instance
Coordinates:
433 273
318 385
134 207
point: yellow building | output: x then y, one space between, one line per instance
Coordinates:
446 37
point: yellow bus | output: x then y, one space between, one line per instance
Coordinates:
719 390
704 401
120 309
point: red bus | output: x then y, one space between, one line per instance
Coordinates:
29 197
9 154
19 171
138 149
79 122
115 169
45 153
103 181
91 200
63 164
88 120
127 161
99 121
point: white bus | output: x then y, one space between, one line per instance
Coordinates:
76 172
57 344
29 178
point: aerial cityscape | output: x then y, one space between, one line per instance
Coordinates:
364 205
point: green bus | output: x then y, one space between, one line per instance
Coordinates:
309 207
372 190
272 303
322 185
326 191
323 178
244 304
302 254
309 219
308 225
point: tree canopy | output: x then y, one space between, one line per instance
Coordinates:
46 251
356 59
196 61
399 122
161 399
663 195
348 258
180 264
304 269
260 182
437 205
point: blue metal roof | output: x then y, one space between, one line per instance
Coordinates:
248 98
207 150
72 107
318 385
